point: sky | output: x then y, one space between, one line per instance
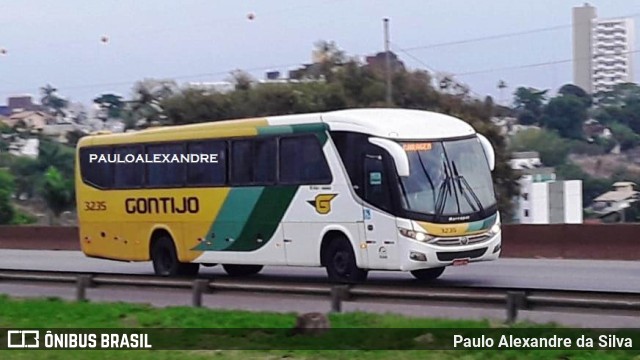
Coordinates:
59 42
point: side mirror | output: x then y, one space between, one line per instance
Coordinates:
397 154
488 151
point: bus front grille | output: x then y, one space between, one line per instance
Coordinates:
462 240
471 254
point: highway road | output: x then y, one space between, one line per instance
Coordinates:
514 273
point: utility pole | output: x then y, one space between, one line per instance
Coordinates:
387 61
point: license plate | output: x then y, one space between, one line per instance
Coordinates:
460 262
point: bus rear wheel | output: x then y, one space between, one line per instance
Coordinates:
340 262
165 260
241 270
428 274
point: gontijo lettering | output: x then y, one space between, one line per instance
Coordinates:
162 205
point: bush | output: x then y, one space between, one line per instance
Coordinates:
552 148
22 218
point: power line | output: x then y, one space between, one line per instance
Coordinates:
485 38
430 69
500 36
526 66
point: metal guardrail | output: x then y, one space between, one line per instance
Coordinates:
510 299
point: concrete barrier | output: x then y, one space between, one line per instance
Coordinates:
39 237
566 241
572 241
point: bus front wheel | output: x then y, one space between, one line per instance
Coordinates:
428 274
165 260
241 270
340 262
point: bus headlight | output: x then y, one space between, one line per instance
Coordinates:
416 235
495 229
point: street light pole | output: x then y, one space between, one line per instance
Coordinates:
387 61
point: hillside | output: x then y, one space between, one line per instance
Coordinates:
605 166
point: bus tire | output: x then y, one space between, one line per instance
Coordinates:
241 270
165 260
340 262
428 274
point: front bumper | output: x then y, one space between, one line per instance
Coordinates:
438 256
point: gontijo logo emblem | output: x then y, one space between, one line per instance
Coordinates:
322 203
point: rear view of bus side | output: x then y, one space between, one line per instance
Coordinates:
350 190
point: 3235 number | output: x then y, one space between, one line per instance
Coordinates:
95 205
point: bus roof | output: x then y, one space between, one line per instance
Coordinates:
380 122
398 123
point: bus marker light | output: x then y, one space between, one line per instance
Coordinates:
363 245
417 256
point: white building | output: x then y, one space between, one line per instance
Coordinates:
612 53
214 86
543 199
525 160
602 50
25 147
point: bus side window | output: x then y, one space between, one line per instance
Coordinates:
94 168
302 161
208 173
128 174
264 163
253 162
376 182
165 174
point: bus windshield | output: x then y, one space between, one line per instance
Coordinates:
449 177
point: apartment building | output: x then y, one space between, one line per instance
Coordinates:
602 50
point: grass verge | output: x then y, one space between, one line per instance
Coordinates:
267 331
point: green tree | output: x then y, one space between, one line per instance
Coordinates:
565 114
7 187
54 103
552 148
74 136
58 193
51 153
27 173
573 90
626 137
111 104
148 95
529 101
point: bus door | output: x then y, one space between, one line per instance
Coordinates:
380 227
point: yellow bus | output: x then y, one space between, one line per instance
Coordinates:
350 190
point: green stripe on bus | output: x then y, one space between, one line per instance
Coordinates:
265 218
482 224
232 218
320 129
274 130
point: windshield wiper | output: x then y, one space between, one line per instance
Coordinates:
426 173
443 190
462 181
